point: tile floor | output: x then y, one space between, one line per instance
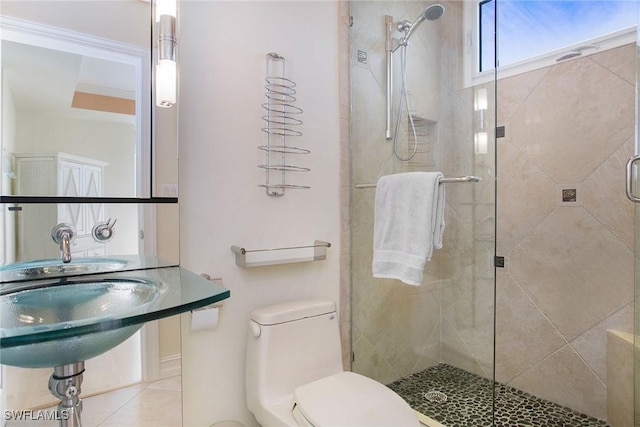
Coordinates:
156 404
159 404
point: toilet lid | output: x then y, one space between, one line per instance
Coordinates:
351 400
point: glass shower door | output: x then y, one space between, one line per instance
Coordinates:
561 294
623 348
629 377
433 343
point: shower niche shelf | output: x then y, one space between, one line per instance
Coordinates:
276 256
281 117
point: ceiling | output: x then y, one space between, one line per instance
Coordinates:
44 81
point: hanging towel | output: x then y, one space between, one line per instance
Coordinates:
408 224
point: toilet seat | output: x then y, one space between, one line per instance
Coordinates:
348 399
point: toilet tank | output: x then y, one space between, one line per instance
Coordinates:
290 345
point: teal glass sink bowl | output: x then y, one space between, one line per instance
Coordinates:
72 303
46 268
49 323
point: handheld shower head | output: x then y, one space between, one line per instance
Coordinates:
431 13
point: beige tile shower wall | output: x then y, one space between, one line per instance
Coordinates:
569 264
400 329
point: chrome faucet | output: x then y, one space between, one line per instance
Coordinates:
63 234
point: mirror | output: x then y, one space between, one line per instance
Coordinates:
77 116
76 98
78 119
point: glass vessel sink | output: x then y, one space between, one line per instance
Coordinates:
49 323
71 303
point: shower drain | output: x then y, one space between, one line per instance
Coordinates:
435 396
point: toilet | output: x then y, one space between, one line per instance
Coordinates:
294 374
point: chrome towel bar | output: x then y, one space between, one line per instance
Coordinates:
468 178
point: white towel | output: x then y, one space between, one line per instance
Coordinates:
408 224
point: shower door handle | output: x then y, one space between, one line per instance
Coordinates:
630 194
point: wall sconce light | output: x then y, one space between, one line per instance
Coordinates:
481 101
166 68
481 142
481 104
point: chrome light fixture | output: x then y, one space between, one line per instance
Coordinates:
166 68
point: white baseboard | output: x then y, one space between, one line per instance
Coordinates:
170 366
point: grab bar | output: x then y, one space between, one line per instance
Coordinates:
468 178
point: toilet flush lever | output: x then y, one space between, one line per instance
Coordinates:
103 231
255 329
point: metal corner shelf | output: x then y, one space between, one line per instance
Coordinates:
319 254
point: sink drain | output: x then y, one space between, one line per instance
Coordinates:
435 396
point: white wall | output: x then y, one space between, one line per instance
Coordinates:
222 67
7 220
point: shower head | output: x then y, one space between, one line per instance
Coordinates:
431 13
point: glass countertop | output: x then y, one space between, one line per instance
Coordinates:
178 289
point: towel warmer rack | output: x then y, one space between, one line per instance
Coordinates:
280 123
468 178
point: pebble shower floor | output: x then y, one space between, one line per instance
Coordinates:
468 402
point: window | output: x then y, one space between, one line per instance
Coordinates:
539 33
487 24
